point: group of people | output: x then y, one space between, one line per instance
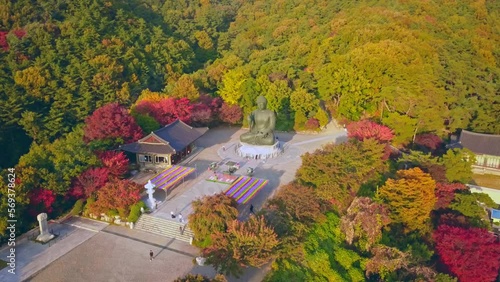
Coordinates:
181 219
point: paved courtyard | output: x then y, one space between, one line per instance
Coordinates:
119 254
219 146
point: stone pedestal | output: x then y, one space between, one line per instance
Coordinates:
259 152
45 235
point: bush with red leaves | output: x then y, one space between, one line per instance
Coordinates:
111 121
428 140
116 162
231 114
366 129
41 200
3 40
166 110
471 254
445 193
19 33
312 124
88 182
116 194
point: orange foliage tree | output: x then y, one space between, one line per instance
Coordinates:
247 243
211 214
116 195
410 198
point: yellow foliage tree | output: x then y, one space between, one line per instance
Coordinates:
185 88
230 91
33 79
410 198
151 96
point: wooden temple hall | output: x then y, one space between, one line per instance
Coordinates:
165 146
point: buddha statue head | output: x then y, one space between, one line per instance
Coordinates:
261 102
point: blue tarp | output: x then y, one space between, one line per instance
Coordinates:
495 214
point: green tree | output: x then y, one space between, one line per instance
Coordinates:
472 205
325 257
336 172
147 123
458 163
58 163
16 183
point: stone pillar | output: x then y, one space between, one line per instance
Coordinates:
45 235
150 190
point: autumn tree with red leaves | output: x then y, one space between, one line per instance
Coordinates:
231 114
111 121
116 195
366 129
202 115
41 200
205 112
116 162
88 182
445 193
4 45
428 140
471 254
166 110
312 124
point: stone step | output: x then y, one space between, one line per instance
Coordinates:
163 227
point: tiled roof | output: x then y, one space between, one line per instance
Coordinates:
479 143
142 148
170 139
179 135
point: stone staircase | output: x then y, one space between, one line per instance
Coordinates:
163 227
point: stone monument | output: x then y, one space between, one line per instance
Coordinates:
45 235
150 190
260 142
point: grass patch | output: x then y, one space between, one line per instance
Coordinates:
3 264
486 180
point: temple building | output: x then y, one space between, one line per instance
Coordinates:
164 147
486 148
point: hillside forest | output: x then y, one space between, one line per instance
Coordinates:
79 78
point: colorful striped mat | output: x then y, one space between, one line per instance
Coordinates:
170 176
245 188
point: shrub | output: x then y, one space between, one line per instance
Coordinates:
77 208
112 213
88 204
312 124
135 211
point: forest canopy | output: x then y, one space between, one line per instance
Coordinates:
417 67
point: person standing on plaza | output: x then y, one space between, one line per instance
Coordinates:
180 218
151 255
